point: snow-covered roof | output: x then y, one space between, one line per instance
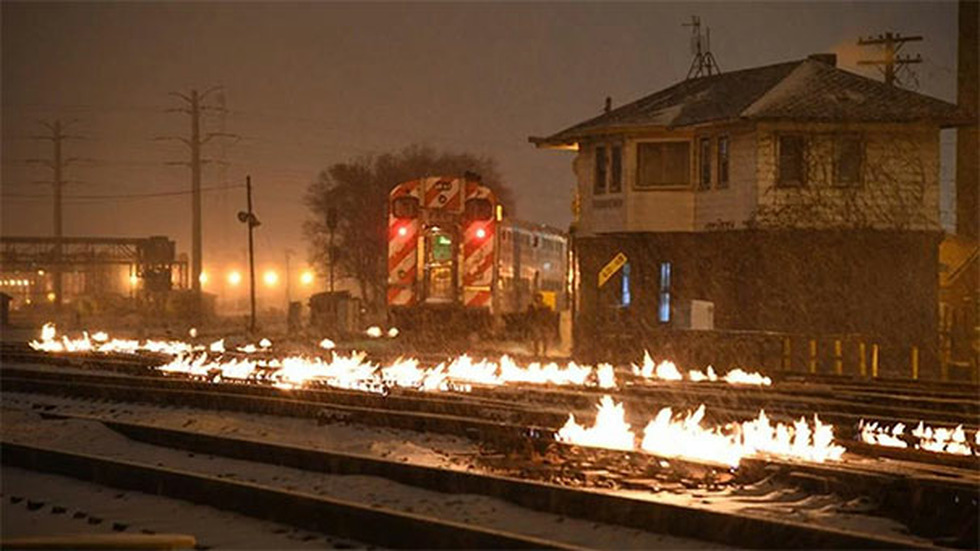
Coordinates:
808 90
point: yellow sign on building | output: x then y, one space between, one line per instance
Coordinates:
611 268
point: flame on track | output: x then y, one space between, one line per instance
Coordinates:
100 342
686 436
923 437
666 370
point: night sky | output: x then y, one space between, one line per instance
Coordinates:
307 85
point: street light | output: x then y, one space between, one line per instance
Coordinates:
306 278
270 277
234 278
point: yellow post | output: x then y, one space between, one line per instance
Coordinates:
813 355
915 363
787 354
838 359
862 359
874 360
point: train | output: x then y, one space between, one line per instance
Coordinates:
455 261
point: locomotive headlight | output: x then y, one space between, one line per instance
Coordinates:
481 233
402 231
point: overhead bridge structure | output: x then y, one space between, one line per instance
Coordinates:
151 259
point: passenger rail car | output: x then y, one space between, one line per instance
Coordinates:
455 261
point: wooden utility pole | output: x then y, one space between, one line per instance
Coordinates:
891 63
248 217
57 164
194 106
967 142
331 249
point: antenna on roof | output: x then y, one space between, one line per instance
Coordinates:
704 63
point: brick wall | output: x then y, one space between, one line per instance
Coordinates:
882 284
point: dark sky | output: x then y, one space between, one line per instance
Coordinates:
310 84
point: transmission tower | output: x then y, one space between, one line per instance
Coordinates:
194 105
704 63
891 63
57 163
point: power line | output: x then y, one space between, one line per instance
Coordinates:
57 163
125 195
892 63
194 105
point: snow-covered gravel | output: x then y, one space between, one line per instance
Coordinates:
765 499
434 450
26 426
37 504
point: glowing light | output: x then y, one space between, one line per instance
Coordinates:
393 332
192 332
134 280
40 272
306 277
402 231
481 233
234 278
52 296
327 344
270 277
374 332
203 278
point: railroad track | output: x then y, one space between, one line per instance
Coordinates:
454 415
844 402
357 521
503 416
742 528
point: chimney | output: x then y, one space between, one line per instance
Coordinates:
608 107
829 59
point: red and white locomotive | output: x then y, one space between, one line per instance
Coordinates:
447 239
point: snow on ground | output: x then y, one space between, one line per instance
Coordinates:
434 450
764 499
37 504
24 426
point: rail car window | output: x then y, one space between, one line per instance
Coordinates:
478 209
405 207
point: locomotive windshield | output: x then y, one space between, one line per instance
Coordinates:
405 207
478 209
